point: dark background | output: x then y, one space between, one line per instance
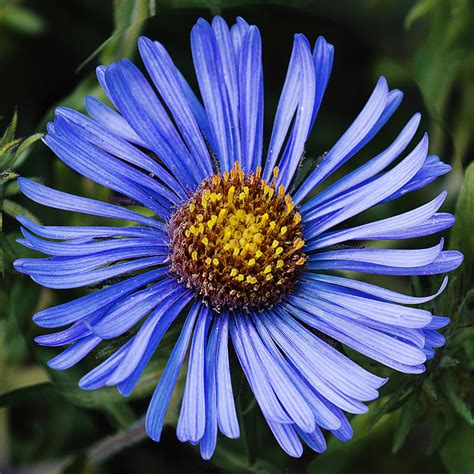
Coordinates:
48 52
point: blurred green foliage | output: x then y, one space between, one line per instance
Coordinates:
48 53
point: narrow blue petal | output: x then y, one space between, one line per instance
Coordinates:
74 353
60 338
209 439
256 377
100 136
68 202
226 414
192 417
141 108
73 232
302 123
374 192
237 33
95 276
434 338
164 75
127 385
396 257
372 343
286 108
287 438
432 168
112 121
447 261
314 440
125 314
162 395
98 376
438 322
250 77
80 308
290 398
228 65
382 311
388 226
376 291
208 66
322 415
366 171
67 265
303 357
350 142
323 57
145 341
332 365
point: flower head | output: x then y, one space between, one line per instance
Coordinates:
230 244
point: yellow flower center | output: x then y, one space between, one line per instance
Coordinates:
237 241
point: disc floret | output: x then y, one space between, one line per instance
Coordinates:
238 241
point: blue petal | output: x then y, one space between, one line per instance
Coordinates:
74 353
255 373
397 257
304 114
146 340
73 232
80 308
304 361
226 415
376 291
209 70
68 202
100 136
287 438
112 121
209 439
164 75
366 171
314 440
382 311
385 227
140 106
323 56
447 261
250 77
352 140
374 192
286 108
125 314
290 398
192 417
162 395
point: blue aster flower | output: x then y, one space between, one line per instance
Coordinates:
228 249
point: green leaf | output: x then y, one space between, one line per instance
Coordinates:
462 235
460 406
13 209
458 453
24 149
419 10
9 134
405 421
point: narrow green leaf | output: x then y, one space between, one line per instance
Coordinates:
405 422
420 9
13 209
460 406
9 134
462 235
24 149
